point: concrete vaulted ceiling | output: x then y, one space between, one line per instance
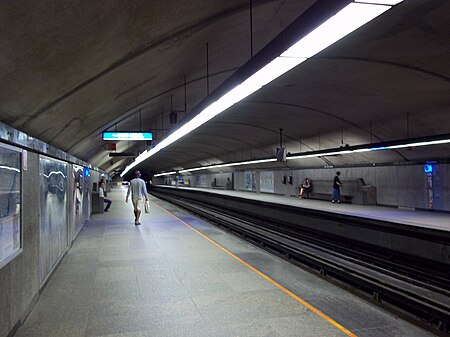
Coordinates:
73 69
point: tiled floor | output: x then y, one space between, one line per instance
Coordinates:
164 279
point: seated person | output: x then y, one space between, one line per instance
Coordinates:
306 187
229 184
101 194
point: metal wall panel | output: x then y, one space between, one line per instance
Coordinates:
53 217
79 209
10 203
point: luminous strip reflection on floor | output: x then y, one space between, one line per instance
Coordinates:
279 286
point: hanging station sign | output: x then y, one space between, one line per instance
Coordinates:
127 135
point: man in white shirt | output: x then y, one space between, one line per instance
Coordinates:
101 194
138 192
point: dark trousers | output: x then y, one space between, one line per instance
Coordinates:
108 202
336 194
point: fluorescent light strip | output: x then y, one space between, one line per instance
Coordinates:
165 174
380 2
259 161
432 142
314 155
344 22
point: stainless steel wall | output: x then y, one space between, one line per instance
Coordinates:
10 203
52 210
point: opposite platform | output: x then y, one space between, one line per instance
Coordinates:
434 220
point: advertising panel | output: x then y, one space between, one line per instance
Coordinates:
250 181
266 181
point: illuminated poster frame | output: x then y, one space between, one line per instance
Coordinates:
10 203
129 135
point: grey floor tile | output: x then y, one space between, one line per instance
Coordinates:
53 328
116 273
132 334
306 325
146 318
247 280
116 291
256 328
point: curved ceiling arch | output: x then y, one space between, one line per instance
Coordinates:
322 112
389 63
262 128
140 51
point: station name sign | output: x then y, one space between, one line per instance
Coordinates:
127 135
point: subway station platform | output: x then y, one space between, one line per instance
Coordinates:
405 216
177 275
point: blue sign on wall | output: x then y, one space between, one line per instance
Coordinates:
428 168
127 135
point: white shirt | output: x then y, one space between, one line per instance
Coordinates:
100 192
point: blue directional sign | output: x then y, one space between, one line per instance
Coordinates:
428 168
127 135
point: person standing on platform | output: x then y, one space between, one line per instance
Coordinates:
138 192
337 184
101 194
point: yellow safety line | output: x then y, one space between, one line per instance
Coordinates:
276 284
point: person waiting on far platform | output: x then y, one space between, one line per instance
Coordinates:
337 185
306 187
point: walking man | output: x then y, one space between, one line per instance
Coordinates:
138 192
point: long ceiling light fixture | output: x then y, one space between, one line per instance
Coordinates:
259 161
348 19
165 174
389 145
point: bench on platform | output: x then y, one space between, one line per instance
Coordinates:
97 203
353 191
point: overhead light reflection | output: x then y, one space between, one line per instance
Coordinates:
343 23
380 2
9 168
164 174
